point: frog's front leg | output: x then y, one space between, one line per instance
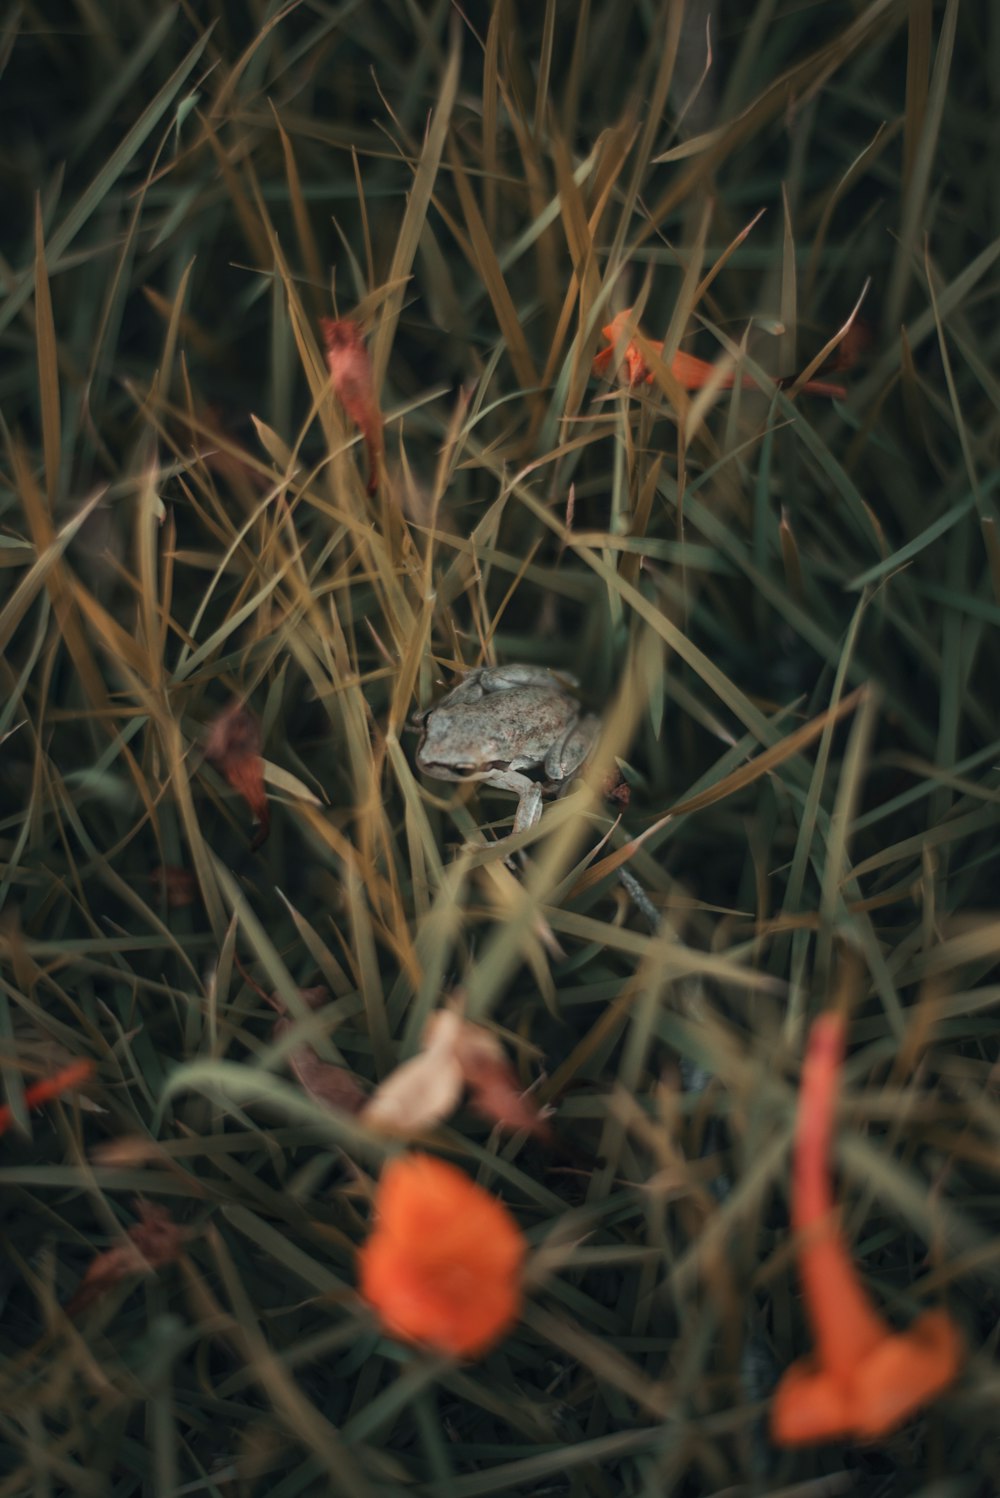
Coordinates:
529 796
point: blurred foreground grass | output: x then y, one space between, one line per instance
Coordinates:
183 522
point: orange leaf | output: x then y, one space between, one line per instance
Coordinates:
233 745
351 374
49 1088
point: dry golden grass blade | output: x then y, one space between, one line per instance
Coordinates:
408 239
884 136
711 149
918 72
161 386
487 266
34 579
789 290
57 580
663 58
924 108
491 95
249 221
300 214
829 347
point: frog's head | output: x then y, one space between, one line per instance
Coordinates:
456 745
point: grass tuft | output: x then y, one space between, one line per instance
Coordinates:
779 606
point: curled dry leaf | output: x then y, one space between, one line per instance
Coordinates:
233 745
425 1089
616 788
354 386
156 1239
325 1083
494 1089
456 1055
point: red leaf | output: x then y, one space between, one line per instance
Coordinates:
233 745
354 386
156 1239
48 1088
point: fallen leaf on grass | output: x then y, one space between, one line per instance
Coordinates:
351 375
424 1090
233 745
155 1240
495 1091
322 1080
456 1054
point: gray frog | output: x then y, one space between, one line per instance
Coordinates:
500 720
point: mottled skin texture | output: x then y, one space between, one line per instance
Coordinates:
500 721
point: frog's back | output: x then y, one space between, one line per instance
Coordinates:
517 725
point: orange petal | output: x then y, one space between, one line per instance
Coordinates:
906 1372
810 1406
354 384
693 373
48 1088
845 1323
443 1264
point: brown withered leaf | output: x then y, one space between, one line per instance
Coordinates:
456 1054
424 1090
495 1091
179 887
324 1082
155 1240
233 745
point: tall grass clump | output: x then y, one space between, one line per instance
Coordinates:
780 606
